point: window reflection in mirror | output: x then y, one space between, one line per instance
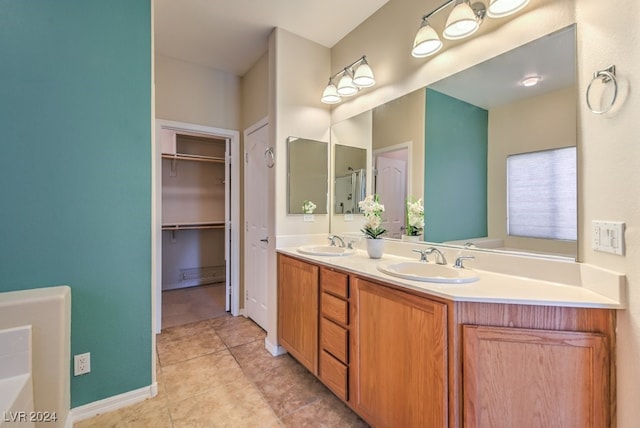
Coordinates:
308 176
350 180
464 180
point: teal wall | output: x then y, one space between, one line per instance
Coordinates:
75 179
455 179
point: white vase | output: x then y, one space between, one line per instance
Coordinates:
375 248
416 238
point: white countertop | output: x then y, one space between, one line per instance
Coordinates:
597 288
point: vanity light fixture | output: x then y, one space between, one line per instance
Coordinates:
356 75
464 20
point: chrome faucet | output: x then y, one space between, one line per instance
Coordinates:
440 257
426 252
333 239
460 261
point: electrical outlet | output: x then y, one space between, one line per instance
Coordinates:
81 364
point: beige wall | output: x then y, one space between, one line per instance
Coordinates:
608 152
255 92
540 123
186 92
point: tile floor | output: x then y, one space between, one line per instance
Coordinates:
186 305
217 373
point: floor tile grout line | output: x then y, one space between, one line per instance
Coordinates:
196 357
251 380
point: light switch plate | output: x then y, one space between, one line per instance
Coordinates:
608 236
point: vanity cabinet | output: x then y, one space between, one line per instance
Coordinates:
334 358
527 365
404 358
518 377
400 357
298 310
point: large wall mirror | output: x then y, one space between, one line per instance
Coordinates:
468 129
308 174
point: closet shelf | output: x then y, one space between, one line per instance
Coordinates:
194 226
197 158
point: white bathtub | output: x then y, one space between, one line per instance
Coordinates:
16 384
48 311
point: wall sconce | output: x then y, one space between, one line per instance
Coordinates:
463 21
355 76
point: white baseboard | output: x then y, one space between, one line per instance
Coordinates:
275 350
110 404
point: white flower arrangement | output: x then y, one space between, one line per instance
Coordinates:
414 218
372 210
308 207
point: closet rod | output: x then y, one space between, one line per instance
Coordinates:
196 158
193 226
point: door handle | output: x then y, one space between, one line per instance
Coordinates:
265 240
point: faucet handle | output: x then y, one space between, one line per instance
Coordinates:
423 254
460 261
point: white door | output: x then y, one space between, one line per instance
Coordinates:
391 186
256 239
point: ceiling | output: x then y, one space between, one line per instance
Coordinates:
231 35
496 82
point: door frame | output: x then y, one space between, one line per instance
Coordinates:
232 212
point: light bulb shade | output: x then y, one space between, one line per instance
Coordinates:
462 22
500 8
363 77
346 88
330 94
426 41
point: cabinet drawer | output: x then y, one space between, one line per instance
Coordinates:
335 308
333 374
334 282
334 339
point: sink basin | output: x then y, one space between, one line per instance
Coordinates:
326 250
428 272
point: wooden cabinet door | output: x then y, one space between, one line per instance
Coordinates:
400 358
516 377
298 310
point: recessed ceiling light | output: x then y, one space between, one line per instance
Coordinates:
530 81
